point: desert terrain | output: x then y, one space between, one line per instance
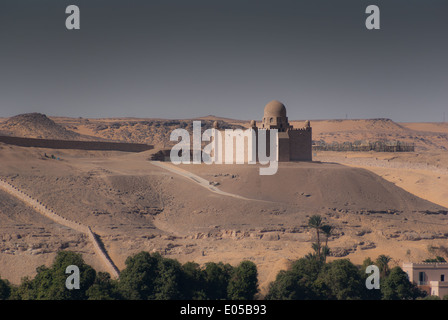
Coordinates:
379 203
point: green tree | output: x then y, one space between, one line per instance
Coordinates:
327 231
308 270
24 291
396 286
321 250
316 248
243 285
168 279
367 262
383 264
5 289
103 288
296 283
193 282
325 251
436 259
287 286
315 222
49 283
217 276
137 279
341 280
150 277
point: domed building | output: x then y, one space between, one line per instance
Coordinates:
275 116
294 144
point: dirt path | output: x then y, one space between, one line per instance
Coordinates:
199 180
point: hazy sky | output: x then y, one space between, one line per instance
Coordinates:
190 58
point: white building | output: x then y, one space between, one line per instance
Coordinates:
429 276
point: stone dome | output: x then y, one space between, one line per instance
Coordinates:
275 109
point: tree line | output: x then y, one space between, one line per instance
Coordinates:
146 277
149 276
358 145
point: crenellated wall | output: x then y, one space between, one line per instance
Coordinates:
300 144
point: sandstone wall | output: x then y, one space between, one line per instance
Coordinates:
300 147
72 144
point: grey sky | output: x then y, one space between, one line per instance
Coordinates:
189 58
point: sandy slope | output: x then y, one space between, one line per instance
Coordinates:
379 203
441 127
425 175
425 184
134 205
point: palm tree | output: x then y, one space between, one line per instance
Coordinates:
316 248
310 256
326 229
315 222
382 261
325 253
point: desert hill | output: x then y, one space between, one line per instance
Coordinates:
441 127
149 131
134 205
315 186
427 137
431 137
37 125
